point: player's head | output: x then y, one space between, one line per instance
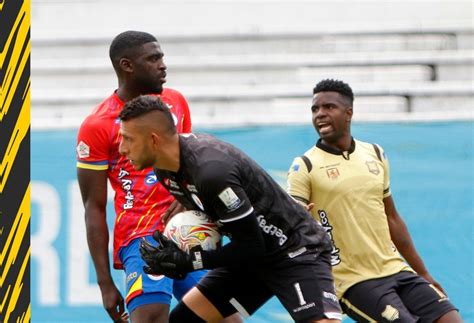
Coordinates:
332 109
138 61
146 126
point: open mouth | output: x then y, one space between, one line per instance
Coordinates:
324 127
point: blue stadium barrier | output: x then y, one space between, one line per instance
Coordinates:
432 183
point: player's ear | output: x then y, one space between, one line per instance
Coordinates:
349 113
155 139
126 65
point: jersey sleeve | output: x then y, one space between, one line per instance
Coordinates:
220 183
92 148
299 181
187 124
386 176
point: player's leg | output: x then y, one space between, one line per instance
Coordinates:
305 286
182 286
221 294
425 300
376 300
148 296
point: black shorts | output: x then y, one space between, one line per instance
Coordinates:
403 297
304 285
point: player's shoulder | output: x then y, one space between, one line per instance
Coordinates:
172 94
105 112
371 148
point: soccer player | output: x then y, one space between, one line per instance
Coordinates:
139 200
275 248
346 184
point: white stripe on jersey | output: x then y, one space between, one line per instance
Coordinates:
238 217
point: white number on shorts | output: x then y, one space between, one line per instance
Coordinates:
299 293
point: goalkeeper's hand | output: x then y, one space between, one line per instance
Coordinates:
167 259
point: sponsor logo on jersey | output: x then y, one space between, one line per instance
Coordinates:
173 184
151 178
230 199
335 258
330 296
127 187
372 166
131 276
191 188
333 173
304 307
390 313
272 230
83 150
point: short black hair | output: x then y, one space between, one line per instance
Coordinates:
145 104
330 85
128 40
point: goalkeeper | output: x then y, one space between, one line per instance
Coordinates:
275 248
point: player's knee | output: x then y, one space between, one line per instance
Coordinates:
182 314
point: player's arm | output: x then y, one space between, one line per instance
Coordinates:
246 246
398 229
403 241
220 187
93 186
299 183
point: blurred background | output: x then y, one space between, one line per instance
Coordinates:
247 69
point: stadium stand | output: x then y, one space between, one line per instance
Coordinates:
254 69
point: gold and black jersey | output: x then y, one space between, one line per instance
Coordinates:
347 189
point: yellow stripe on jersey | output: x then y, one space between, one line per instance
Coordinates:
90 166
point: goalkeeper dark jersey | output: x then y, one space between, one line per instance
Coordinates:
222 181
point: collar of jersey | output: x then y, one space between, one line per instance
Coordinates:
333 150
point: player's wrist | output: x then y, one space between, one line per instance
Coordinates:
197 261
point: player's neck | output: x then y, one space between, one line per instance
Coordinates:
125 94
169 155
343 144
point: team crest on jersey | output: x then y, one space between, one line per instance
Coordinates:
333 173
390 313
230 199
151 178
372 166
83 150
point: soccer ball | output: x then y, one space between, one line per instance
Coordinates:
193 228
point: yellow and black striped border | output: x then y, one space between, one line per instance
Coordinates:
15 161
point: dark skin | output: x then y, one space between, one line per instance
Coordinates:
332 115
141 71
141 67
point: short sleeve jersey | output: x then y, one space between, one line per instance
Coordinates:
347 190
139 199
220 180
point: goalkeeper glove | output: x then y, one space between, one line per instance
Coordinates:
167 259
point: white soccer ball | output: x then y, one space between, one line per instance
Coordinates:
192 228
